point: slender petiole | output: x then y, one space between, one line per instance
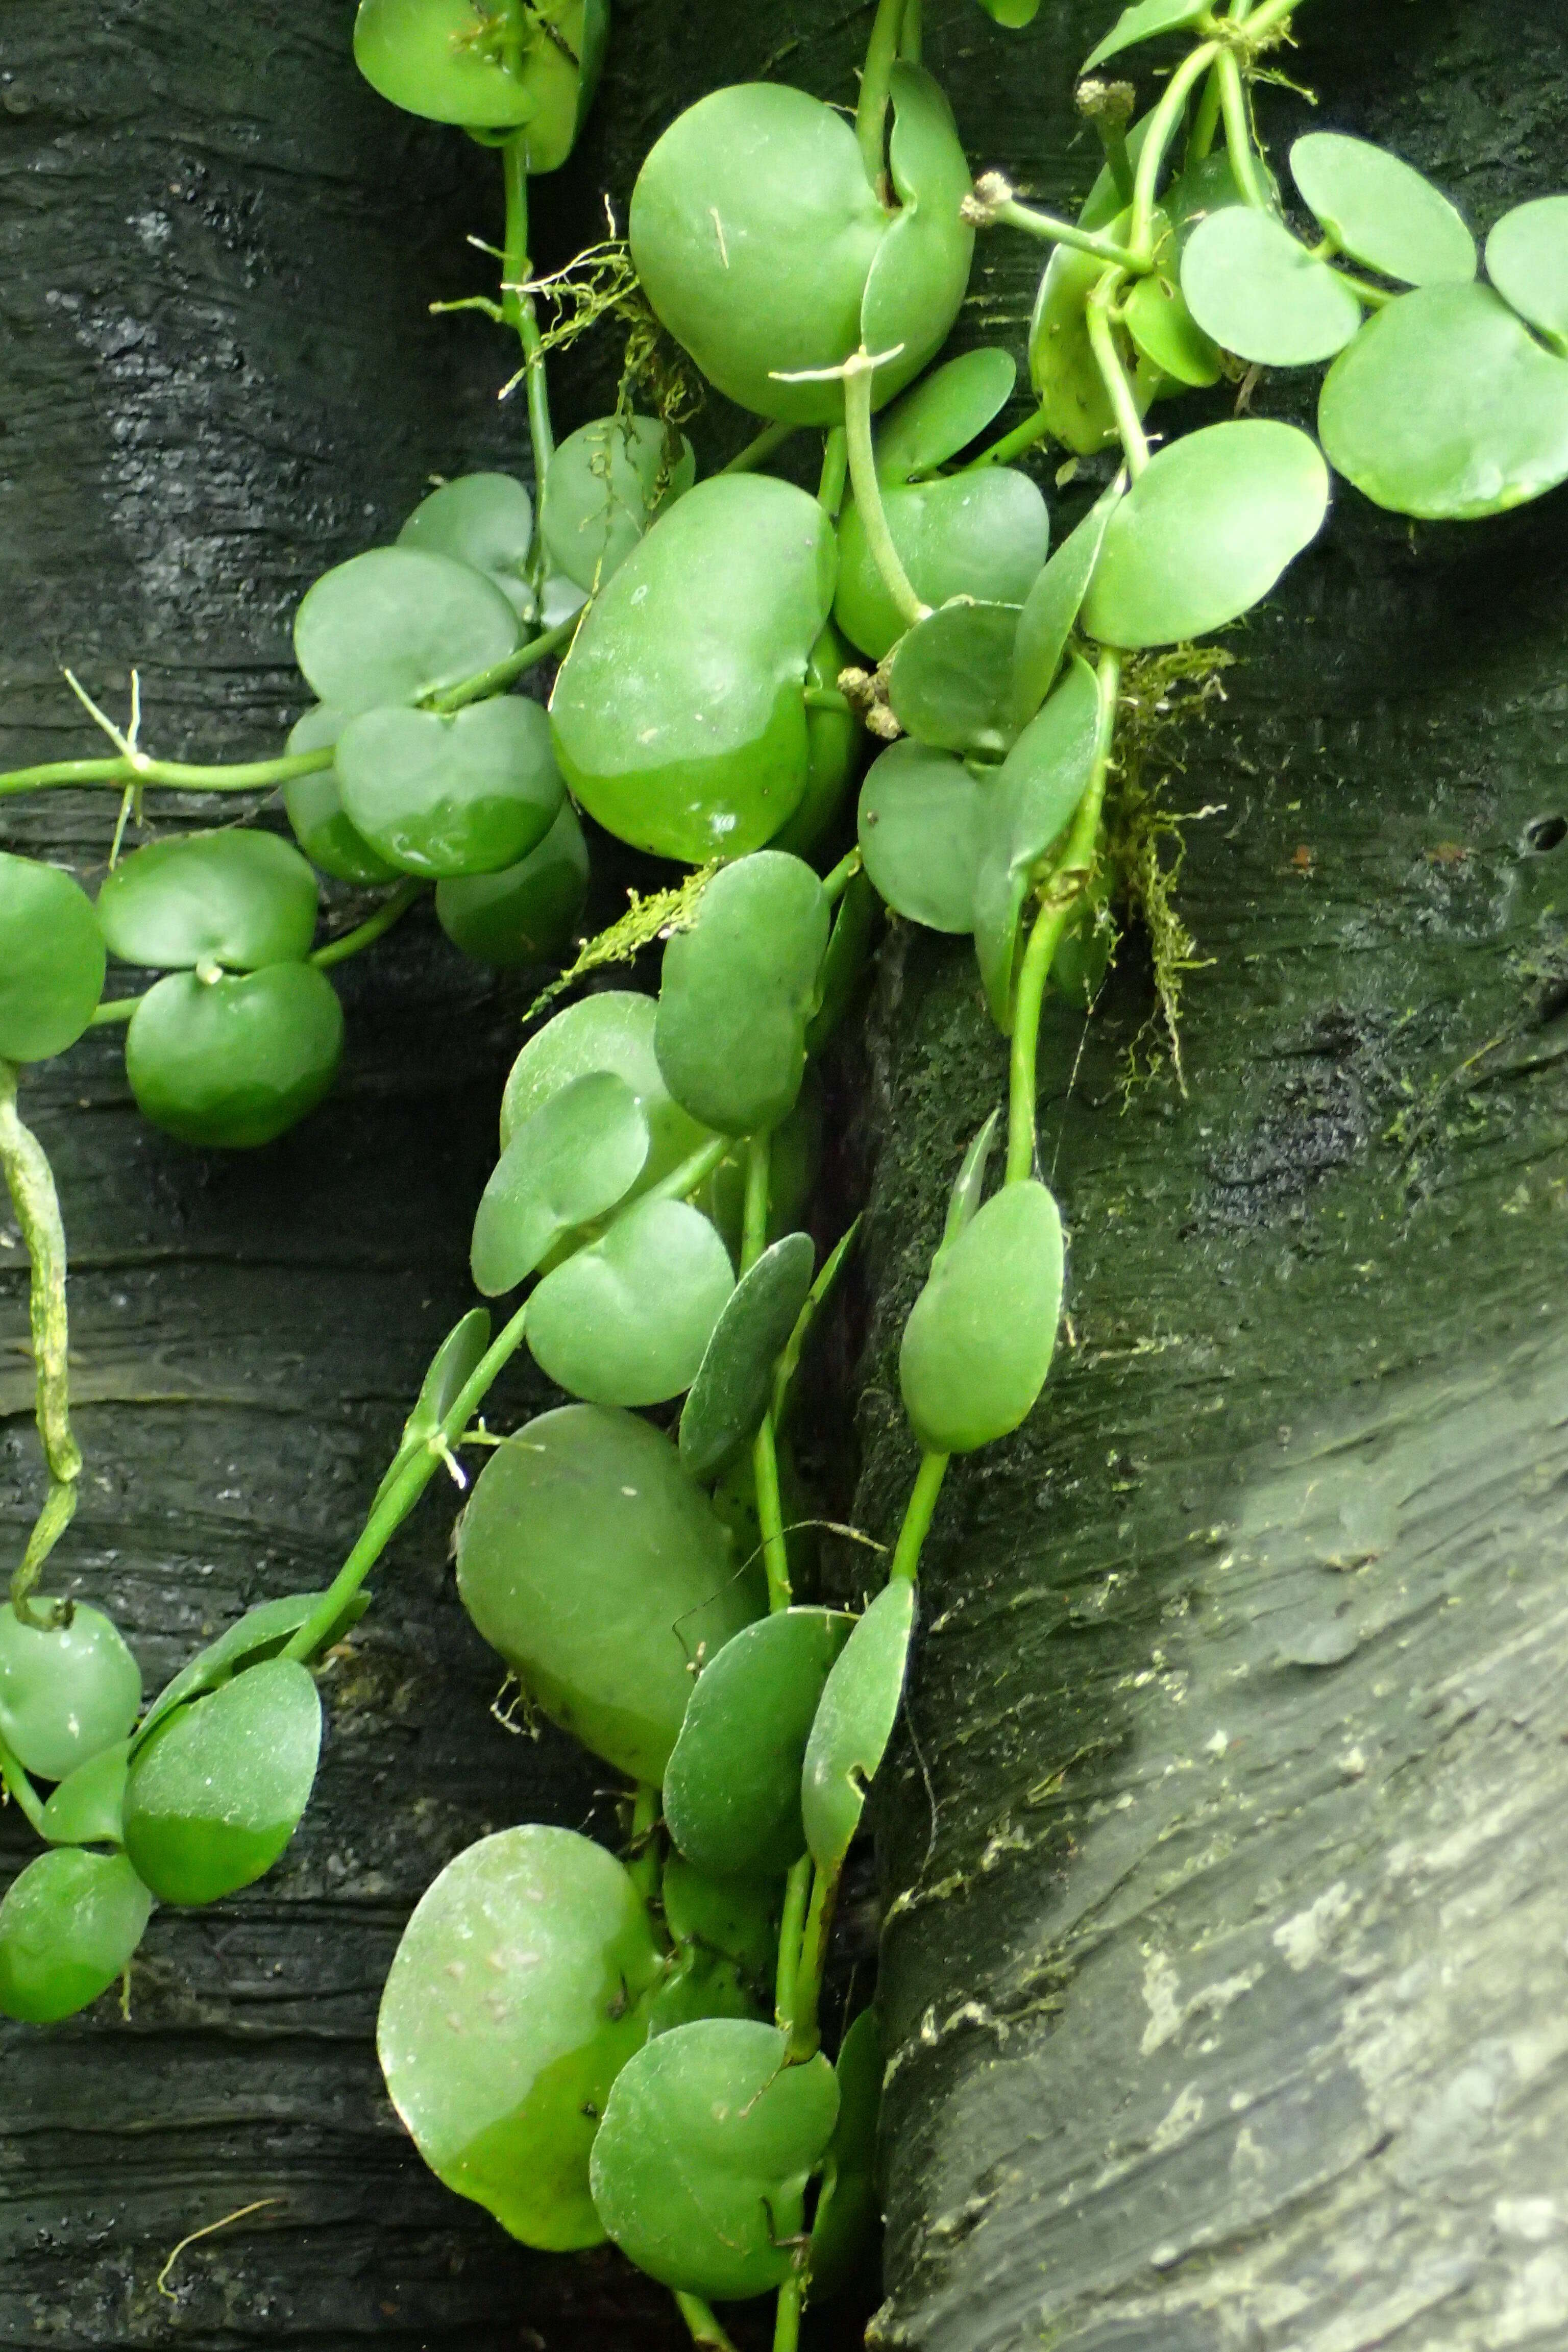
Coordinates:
31 1185
858 375
1010 213
1103 343
374 928
871 112
517 307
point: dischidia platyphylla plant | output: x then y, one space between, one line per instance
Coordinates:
594 2047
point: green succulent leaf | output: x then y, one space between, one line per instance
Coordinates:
1145 22
732 1789
69 1926
1527 261
981 535
1445 407
1163 329
608 482
87 1808
854 1723
1258 292
1205 531
51 976
734 1380
1013 14
920 274
1381 212
67 1692
213 1797
980 1337
238 899
627 1320
600 1571
467 794
489 65
968 1186
846 963
517 1994
1062 366
574 1158
524 914
1052 606
315 808
847 2209
398 624
919 830
738 990
680 712
942 413
950 682
1022 813
700 2168
833 743
260 1633
485 521
233 1062
459 1356
737 1919
612 1031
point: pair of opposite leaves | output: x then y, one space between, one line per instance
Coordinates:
493 66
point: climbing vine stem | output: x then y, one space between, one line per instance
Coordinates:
31 1184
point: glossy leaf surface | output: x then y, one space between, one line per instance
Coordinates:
315 808
732 1789
572 1158
1527 261
920 822
854 1723
943 413
613 1031
51 960
516 1996
69 1926
598 1569
1144 22
920 273
736 1919
1207 532
455 1361
969 1184
950 680
738 989
1258 292
235 898
1021 814
833 742
67 1692
234 1062
87 1808
680 712
607 483
626 1321
1381 212
260 1633
1446 408
482 520
524 914
448 60
397 624
730 1391
700 2168
215 1796
847 2210
1052 606
1165 331
1062 365
982 535
468 793
980 1337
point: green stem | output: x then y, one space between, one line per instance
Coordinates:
754 1227
31 1184
517 307
835 882
1206 122
19 1787
1103 343
642 1848
1377 297
178 775
374 928
770 437
704 2328
1068 884
1023 438
786 2318
792 1927
108 1014
919 1513
1274 11
1164 124
911 38
764 1447
1239 132
868 491
804 2034
1011 213
486 682
871 112
834 466
682 1181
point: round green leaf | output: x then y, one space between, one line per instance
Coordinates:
1052 606
611 1031
1012 13
854 1723
625 1321
234 1062
1018 818
238 899
398 624
216 1794
732 1789
448 60
702 1983
1062 366
833 742
942 413
1446 408
738 989
920 273
1165 331
467 794
1381 212
69 1926
600 1571
517 1994
680 712
485 521
920 835
1527 261
51 960
700 2168
735 1918
87 1808
1144 22
260 1633
1258 292
730 1393
1205 531
315 808
67 1692
524 914
950 682
574 1157
607 483
847 2210
981 535
980 1337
